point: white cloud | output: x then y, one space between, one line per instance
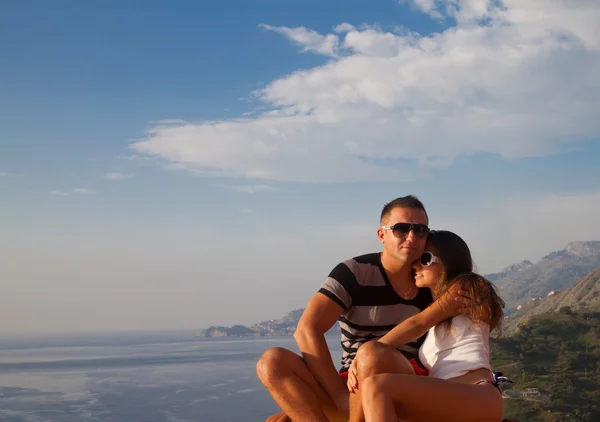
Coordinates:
8 174
460 10
344 27
253 188
518 80
117 176
309 40
74 191
171 121
134 157
426 6
58 193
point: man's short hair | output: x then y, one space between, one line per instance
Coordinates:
409 201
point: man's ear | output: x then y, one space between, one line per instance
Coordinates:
380 234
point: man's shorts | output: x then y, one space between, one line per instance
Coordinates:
419 370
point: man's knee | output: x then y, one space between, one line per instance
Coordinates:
273 363
279 417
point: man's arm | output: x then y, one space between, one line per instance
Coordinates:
319 316
445 307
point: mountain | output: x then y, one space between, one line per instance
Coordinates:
584 295
510 270
517 284
279 327
235 331
554 272
274 327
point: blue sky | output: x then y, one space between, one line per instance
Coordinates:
178 165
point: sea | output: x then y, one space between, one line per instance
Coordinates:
131 377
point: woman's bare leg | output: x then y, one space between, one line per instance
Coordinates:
393 397
377 404
374 357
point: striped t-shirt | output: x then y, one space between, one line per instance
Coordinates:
371 306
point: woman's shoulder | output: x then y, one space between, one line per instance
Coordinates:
463 322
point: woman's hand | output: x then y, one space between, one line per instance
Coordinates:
352 376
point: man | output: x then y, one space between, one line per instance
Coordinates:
369 295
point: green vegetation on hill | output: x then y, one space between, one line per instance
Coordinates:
557 357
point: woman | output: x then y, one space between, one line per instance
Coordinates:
461 385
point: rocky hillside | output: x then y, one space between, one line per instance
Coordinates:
274 327
235 331
554 272
523 284
584 295
511 270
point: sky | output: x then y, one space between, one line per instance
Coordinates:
175 165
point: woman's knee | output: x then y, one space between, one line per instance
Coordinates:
371 357
370 351
272 363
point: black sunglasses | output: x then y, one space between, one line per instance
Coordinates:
402 229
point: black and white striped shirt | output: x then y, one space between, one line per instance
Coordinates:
371 306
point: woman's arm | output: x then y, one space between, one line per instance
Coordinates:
449 305
445 307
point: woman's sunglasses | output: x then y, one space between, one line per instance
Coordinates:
427 258
402 229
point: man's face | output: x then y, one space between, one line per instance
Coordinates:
405 247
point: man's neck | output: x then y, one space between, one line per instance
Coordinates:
399 273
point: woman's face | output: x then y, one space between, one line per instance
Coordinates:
428 275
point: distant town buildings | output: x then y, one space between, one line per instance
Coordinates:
533 394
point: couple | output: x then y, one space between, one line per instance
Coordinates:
386 303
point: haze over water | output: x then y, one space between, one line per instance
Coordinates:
171 377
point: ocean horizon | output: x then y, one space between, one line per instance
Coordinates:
167 376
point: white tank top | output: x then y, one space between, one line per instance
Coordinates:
465 347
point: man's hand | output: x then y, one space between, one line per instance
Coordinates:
352 382
465 305
463 302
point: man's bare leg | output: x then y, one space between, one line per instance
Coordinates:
375 358
295 389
